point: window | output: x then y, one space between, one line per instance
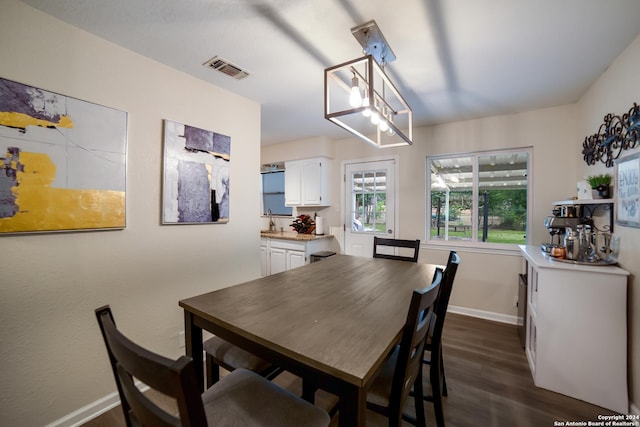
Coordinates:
479 199
369 201
273 194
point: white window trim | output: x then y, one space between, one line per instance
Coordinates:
473 245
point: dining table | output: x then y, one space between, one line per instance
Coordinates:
332 323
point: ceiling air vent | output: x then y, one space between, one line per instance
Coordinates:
226 67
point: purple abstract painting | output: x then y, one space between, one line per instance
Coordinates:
196 175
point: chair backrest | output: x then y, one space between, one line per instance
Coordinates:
174 378
442 303
396 243
416 327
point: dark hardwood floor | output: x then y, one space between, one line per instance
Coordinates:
488 380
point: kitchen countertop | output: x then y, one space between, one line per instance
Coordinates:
292 235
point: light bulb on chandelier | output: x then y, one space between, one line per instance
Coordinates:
390 131
355 99
365 103
382 123
375 117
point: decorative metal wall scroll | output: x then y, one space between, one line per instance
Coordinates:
616 134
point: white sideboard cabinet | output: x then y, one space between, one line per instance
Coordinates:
576 338
306 182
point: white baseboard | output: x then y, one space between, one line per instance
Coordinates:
92 410
482 314
89 412
635 410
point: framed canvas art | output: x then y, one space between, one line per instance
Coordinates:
62 162
628 191
196 175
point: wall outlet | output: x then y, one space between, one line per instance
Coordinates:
180 339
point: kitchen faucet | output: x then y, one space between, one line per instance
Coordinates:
272 225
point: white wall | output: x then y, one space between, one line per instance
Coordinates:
615 92
53 359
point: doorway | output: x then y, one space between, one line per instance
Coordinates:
370 204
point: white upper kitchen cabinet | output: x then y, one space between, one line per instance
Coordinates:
306 182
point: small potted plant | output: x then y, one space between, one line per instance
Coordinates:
600 185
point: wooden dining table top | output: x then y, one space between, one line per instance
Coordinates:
340 316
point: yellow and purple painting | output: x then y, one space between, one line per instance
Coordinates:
62 162
196 175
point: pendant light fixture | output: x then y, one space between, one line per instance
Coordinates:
360 97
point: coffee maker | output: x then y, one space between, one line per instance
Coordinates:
563 217
557 225
579 236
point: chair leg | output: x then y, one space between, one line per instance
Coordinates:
418 400
213 371
436 391
444 379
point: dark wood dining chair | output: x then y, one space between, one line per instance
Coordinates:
402 371
240 398
433 346
221 353
414 245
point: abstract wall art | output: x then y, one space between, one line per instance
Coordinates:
196 175
62 162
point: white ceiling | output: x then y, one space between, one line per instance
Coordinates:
456 59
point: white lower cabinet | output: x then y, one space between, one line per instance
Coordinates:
576 340
295 259
264 258
277 260
279 255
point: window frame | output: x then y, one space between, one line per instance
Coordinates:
473 243
263 193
